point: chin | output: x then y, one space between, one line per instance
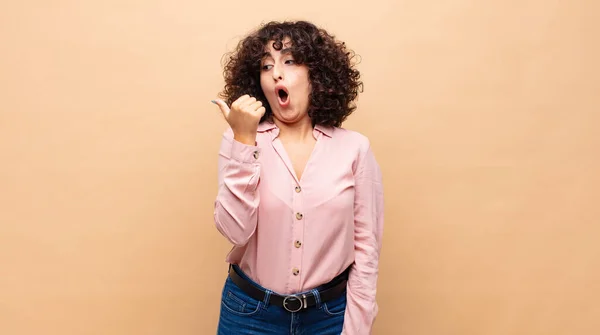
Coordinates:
285 119
285 116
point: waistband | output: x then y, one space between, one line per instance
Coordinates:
293 302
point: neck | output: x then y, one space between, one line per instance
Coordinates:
298 131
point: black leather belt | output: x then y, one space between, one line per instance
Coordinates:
294 302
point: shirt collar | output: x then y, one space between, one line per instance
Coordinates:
267 125
327 131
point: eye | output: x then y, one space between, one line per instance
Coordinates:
267 67
290 61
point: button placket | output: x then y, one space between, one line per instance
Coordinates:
297 236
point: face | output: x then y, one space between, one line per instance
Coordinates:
285 84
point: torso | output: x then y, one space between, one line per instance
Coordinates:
299 154
318 211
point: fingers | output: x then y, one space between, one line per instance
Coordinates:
243 116
241 101
247 104
244 103
261 111
256 105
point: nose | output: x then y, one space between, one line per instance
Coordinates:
277 73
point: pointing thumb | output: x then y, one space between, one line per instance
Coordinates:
222 106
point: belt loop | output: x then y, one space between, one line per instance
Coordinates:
315 292
267 298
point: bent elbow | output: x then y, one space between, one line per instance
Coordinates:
236 232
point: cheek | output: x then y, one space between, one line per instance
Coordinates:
307 85
266 87
263 83
307 88
302 84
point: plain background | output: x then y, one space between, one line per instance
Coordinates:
484 116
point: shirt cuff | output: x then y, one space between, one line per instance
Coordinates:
244 153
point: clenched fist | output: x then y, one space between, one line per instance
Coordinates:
243 117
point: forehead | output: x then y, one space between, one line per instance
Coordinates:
271 44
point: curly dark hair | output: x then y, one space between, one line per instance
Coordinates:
335 82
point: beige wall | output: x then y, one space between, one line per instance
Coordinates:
483 115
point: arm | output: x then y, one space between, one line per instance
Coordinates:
361 306
235 210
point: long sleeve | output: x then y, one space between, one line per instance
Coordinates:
235 209
362 307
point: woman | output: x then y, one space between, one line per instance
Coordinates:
300 198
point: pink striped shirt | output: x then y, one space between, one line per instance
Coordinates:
292 235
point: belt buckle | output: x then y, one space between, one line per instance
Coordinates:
292 303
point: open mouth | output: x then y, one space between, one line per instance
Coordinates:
283 95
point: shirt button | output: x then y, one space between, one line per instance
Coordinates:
298 189
295 271
256 155
298 244
299 216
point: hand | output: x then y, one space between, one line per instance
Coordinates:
243 117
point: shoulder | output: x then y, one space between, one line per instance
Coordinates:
354 145
365 167
351 139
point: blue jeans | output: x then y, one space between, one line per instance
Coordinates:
243 315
